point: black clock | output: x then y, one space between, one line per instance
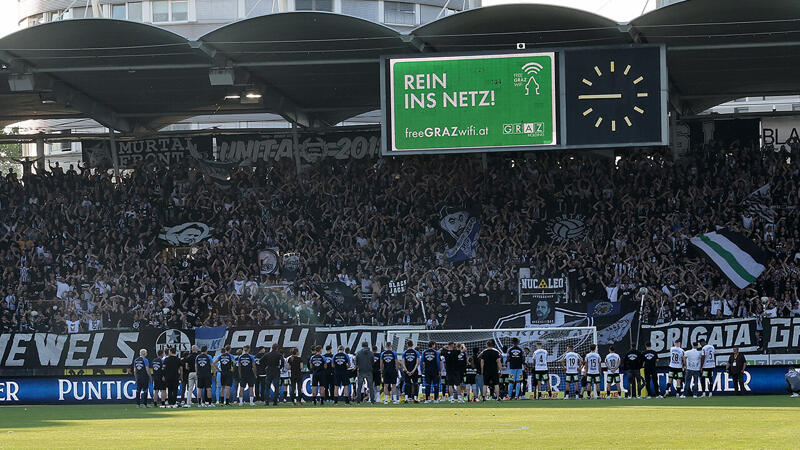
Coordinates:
613 96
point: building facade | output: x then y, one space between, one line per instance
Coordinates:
194 18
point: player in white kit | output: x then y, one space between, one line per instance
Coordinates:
572 364
540 372
612 372
676 370
709 364
592 364
693 360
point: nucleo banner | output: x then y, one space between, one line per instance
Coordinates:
478 102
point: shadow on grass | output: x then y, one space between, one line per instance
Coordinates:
38 416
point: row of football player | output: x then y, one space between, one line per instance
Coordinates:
389 369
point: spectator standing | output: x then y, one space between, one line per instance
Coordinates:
649 361
190 380
632 365
736 367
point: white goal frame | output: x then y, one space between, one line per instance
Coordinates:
410 334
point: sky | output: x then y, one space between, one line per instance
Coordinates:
8 16
619 10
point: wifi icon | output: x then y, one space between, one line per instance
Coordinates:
532 69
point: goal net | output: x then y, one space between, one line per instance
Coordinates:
554 339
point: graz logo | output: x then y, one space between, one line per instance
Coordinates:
173 338
571 227
603 309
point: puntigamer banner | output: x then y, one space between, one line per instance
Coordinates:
98 389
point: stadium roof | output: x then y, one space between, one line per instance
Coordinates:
317 69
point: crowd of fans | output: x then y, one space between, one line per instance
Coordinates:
80 251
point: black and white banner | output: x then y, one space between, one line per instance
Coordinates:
28 352
552 288
166 150
49 353
461 228
782 335
338 295
268 261
185 234
569 227
722 334
338 143
759 204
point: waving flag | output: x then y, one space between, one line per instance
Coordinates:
758 203
741 260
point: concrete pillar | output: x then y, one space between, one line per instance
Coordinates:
40 163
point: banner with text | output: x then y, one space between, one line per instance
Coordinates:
168 150
722 334
471 102
552 288
778 131
112 348
312 146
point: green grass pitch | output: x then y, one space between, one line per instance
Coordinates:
719 422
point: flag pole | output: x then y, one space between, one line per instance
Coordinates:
639 326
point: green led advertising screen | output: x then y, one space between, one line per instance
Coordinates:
466 103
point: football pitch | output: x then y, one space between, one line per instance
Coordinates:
719 422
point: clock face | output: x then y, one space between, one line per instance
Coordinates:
612 103
613 96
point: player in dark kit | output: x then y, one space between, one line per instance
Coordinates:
173 373
203 365
329 377
246 367
319 366
432 371
516 362
462 362
141 370
341 373
226 363
295 364
452 366
410 374
159 382
261 374
389 366
491 365
376 371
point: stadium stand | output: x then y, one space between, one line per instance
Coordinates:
80 252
